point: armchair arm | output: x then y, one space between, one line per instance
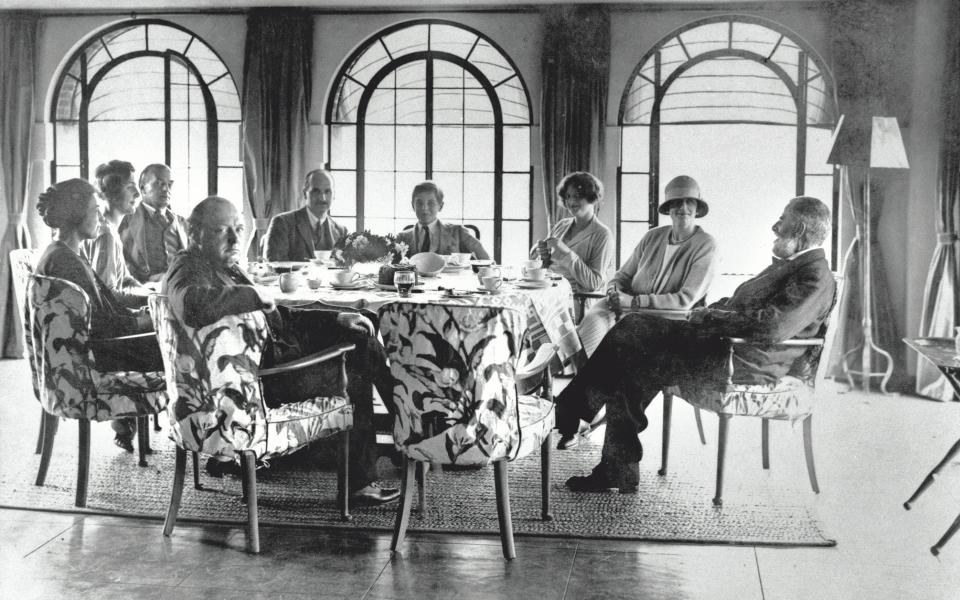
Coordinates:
122 338
307 361
791 342
538 367
585 295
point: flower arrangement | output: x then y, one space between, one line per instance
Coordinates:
366 247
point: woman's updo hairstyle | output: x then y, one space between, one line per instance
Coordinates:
65 203
111 177
586 185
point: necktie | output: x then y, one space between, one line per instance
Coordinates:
171 241
425 243
322 239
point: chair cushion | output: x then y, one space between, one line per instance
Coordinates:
292 426
789 399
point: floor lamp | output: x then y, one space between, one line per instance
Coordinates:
876 144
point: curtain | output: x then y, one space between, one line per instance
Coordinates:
277 85
575 69
849 329
941 312
18 42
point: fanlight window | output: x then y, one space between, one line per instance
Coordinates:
743 106
150 91
433 100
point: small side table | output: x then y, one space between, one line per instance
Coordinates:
942 353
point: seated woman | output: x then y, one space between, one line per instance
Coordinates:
71 207
579 247
671 268
105 253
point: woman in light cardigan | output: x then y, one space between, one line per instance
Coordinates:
579 247
671 268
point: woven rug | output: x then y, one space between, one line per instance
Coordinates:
295 491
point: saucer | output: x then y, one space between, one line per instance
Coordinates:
393 288
267 280
532 285
347 286
491 292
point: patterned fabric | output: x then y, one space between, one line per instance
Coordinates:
216 401
789 399
453 367
22 263
70 385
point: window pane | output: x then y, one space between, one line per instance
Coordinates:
124 41
630 235
230 185
486 234
711 36
411 106
412 75
138 142
516 148
821 186
378 194
478 196
513 102
635 148
406 41
206 61
379 225
516 196
348 99
479 141
345 193
131 90
380 109
454 40
489 60
411 148
378 147
343 147
368 63
477 107
228 146
68 143
634 197
516 242
68 102
452 186
64 173
447 107
405 184
163 37
227 100
818 150
448 148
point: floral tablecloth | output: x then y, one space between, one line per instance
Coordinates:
548 309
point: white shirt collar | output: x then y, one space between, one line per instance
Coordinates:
314 219
796 254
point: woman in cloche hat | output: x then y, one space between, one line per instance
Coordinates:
671 268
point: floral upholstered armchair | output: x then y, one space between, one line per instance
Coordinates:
22 262
792 398
455 370
216 406
69 384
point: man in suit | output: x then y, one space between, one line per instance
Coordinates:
429 234
294 235
153 233
204 284
642 354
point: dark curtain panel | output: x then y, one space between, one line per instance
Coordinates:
277 71
18 39
575 68
941 305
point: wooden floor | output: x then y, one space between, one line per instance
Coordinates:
872 451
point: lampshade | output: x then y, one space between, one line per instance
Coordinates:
876 144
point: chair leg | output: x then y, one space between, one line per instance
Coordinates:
178 475
156 422
503 509
721 456
143 439
196 471
249 460
545 449
421 478
696 415
665 443
765 442
83 463
49 427
935 549
808 452
43 427
343 479
406 499
929 478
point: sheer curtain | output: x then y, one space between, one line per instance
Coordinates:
941 312
277 71
575 70
18 38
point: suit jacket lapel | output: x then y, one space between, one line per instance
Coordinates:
303 227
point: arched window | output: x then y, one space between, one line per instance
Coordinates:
433 100
747 109
149 91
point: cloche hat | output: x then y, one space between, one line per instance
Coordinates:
680 188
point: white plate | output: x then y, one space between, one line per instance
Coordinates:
289 264
533 285
455 268
349 286
491 292
393 288
268 280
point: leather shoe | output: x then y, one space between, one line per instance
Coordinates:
568 441
374 494
219 468
595 482
125 442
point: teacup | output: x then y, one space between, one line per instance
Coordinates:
491 283
314 281
538 274
491 271
480 264
461 258
346 277
322 255
530 265
290 281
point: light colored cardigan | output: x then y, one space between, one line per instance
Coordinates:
683 282
589 259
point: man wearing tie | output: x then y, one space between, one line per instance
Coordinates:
430 235
294 235
153 233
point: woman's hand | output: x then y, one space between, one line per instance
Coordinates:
556 245
543 250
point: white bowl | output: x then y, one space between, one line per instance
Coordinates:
428 264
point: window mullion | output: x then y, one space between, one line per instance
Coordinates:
428 120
